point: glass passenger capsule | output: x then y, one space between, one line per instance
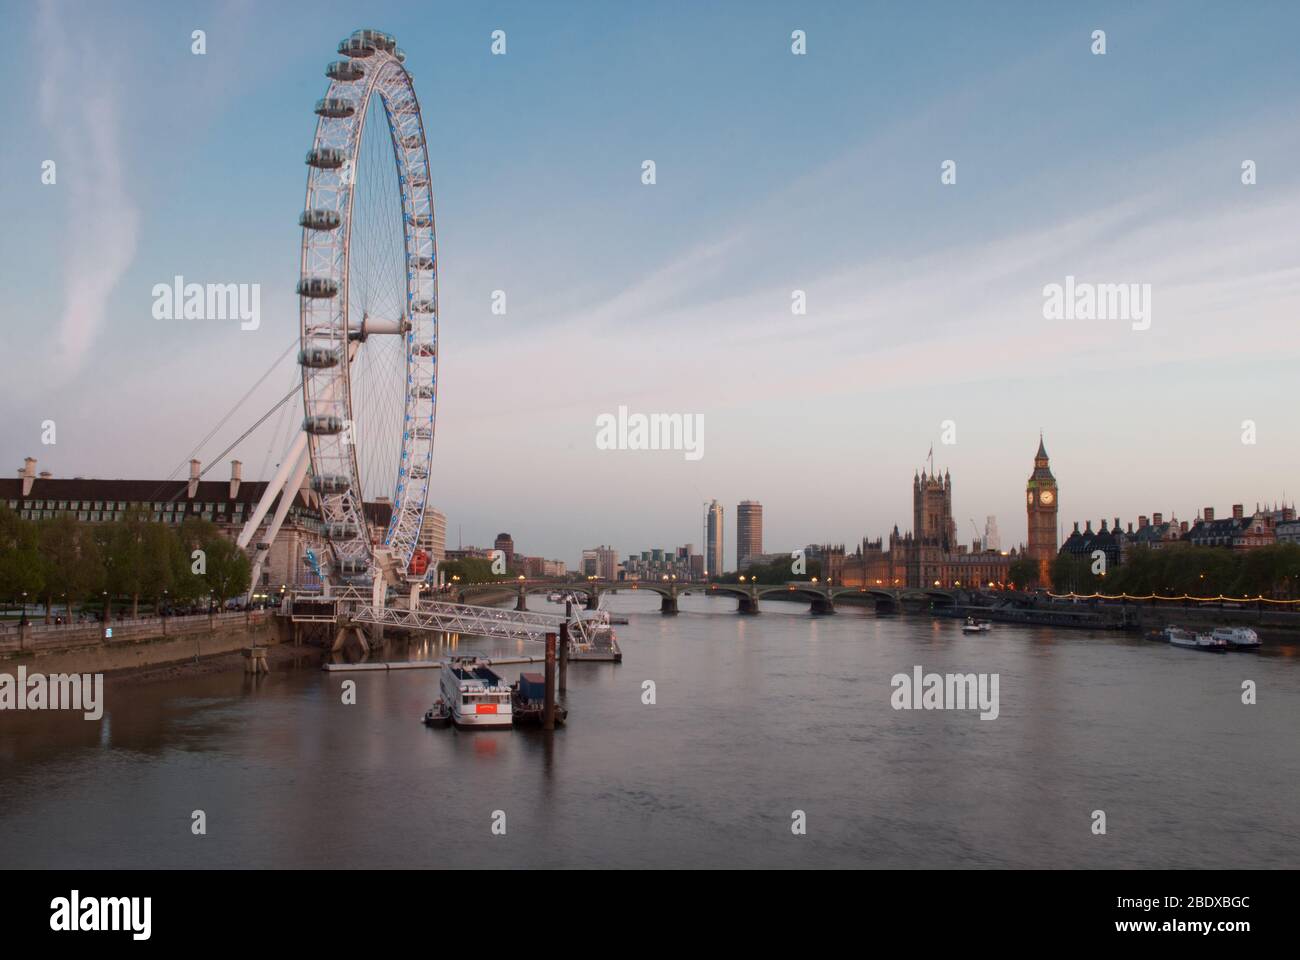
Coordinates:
318 288
377 39
357 47
335 108
318 358
326 158
323 424
330 484
320 219
345 71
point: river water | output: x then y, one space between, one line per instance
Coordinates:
754 718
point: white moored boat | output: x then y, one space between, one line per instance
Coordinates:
475 694
1239 638
976 626
1178 637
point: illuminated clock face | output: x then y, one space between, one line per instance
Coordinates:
1029 498
1048 497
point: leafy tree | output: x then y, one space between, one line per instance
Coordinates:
189 584
123 544
157 572
776 572
228 569
1073 574
21 569
470 570
1023 572
1272 571
71 560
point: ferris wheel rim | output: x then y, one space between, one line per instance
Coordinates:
374 68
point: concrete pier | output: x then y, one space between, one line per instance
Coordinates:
255 660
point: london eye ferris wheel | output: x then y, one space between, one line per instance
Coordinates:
369 310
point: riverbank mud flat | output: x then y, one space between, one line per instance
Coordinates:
283 656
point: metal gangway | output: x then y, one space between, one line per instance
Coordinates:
492 622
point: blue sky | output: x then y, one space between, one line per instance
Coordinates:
775 173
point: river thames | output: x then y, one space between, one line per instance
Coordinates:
754 718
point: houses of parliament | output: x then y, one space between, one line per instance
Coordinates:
929 555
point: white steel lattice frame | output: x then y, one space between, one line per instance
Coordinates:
325 322
473 620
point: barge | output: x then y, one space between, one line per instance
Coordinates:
528 701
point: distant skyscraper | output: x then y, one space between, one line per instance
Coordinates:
713 547
433 535
606 563
992 539
749 531
506 545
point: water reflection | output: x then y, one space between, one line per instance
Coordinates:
754 717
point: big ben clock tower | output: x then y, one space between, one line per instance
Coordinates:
1040 502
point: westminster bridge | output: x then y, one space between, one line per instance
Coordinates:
820 596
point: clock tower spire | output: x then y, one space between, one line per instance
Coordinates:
1041 505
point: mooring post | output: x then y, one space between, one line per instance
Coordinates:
548 709
564 647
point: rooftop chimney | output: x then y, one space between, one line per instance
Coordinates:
1182 527
194 480
1238 511
1142 521
1116 525
1209 514
28 473
236 469
1157 518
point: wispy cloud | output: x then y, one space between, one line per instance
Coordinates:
81 111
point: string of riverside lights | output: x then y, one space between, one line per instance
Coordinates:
1155 596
